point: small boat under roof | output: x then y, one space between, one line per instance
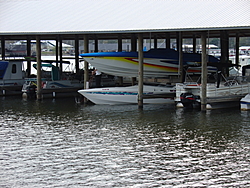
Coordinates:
245 103
157 62
11 77
129 95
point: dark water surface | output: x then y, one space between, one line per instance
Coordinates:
56 143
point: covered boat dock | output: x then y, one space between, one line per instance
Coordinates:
92 21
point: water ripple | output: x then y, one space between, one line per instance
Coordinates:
48 145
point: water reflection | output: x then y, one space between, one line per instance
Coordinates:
56 143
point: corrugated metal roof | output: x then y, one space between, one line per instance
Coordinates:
31 16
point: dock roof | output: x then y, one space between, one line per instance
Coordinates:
121 16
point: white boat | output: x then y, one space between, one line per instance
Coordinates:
11 77
245 103
220 94
157 62
227 95
53 84
243 61
128 95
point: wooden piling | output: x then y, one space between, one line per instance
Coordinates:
204 73
77 54
86 66
3 47
38 60
28 71
140 73
237 52
179 43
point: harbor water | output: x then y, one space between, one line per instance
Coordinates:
58 143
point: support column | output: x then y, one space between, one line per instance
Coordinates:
120 78
77 54
57 50
155 41
133 43
237 52
3 47
204 72
60 54
194 44
86 64
224 49
133 49
140 73
96 44
28 70
38 60
119 43
167 41
179 43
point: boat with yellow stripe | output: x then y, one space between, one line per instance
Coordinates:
157 62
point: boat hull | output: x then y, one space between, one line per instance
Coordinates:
128 95
157 63
222 97
245 103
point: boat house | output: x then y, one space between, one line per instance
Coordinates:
89 22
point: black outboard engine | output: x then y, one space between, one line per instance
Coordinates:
31 91
188 100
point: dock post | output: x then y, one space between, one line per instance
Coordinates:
28 70
237 44
167 39
38 60
120 78
204 73
57 50
61 55
3 47
77 54
86 65
179 48
140 73
194 44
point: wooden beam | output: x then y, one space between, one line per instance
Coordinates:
140 73
60 54
38 60
204 72
155 41
28 71
237 52
86 64
133 43
3 47
194 44
167 39
119 42
77 54
96 44
179 47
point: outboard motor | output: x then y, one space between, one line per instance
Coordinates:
31 91
188 100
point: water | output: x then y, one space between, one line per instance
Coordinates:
56 143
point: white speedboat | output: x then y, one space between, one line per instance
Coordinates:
223 93
245 103
228 94
11 77
128 95
157 62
